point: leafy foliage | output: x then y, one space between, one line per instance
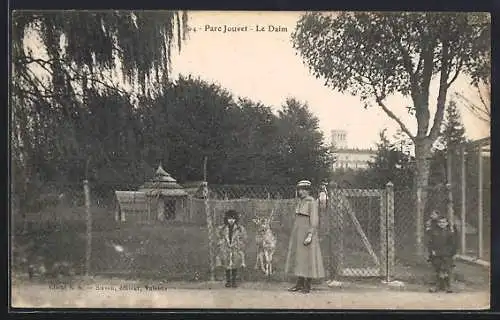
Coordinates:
118 145
452 135
453 131
302 152
82 44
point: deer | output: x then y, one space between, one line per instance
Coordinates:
266 243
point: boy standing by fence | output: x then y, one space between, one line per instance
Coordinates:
430 225
442 245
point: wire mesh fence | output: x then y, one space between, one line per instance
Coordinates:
80 233
223 192
53 238
357 224
408 262
470 177
49 231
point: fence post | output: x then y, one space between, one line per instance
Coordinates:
340 263
480 203
88 251
326 217
210 231
390 230
463 222
383 232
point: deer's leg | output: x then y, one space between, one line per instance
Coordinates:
257 260
266 263
269 258
270 262
262 267
243 264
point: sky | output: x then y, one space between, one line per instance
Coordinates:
263 66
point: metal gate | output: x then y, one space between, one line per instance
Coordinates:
358 227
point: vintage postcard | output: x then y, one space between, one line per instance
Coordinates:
219 159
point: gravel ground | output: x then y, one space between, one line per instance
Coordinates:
115 293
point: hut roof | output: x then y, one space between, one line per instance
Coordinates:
164 184
164 192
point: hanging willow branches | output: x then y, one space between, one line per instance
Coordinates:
61 59
138 43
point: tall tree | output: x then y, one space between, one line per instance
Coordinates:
303 154
375 55
453 132
255 153
193 119
452 135
391 163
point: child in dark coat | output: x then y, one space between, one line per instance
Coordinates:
442 245
430 225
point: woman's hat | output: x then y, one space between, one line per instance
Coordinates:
304 184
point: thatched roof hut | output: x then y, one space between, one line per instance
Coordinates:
167 197
163 184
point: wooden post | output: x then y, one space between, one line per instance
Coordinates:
210 237
205 169
328 216
149 199
369 224
341 234
209 217
390 231
463 221
480 203
88 252
383 233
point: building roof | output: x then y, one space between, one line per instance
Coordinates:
164 192
164 184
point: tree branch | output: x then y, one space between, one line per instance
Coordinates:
76 75
408 65
486 106
403 127
419 65
443 89
483 115
457 72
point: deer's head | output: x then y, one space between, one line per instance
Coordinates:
263 223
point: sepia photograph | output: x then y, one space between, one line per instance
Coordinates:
249 159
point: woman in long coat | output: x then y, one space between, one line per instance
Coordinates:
304 259
232 238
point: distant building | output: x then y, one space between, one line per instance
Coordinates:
349 158
339 139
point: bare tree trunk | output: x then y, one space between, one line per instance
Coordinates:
423 156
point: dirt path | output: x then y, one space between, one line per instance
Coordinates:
134 295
